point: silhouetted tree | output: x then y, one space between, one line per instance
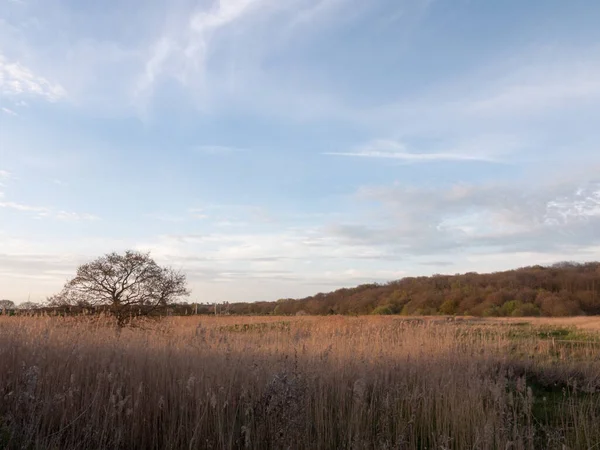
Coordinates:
6 305
127 285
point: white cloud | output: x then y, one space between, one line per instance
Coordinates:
16 79
289 256
74 216
9 111
198 213
547 86
388 149
59 182
4 175
40 212
181 52
216 52
161 217
401 227
260 248
495 217
584 204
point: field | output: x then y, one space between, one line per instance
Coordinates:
300 383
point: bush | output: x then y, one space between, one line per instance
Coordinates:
383 310
509 307
526 310
492 311
449 307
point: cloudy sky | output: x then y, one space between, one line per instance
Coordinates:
280 148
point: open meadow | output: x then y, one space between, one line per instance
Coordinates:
300 383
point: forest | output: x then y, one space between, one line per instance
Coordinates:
562 289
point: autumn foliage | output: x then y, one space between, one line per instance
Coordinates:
564 289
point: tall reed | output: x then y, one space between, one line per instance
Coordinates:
298 383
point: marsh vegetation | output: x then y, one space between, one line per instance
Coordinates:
304 382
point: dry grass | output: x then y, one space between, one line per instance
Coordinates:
298 383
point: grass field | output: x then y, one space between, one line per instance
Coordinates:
299 383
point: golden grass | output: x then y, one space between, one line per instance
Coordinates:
298 383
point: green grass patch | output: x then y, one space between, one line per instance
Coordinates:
556 333
256 327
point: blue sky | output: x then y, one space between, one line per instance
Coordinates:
281 148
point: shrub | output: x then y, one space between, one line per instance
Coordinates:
383 310
509 307
449 307
526 310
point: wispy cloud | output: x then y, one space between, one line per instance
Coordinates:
217 149
387 149
197 213
16 79
9 111
161 217
4 175
74 216
40 212
181 52
517 96
541 86
216 50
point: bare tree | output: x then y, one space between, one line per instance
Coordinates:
128 285
6 305
29 306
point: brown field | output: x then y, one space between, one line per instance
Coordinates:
300 383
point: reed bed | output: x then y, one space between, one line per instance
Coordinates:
295 383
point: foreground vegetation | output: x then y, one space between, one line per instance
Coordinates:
307 382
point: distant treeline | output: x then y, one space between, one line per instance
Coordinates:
563 289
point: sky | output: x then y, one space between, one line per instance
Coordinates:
273 149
